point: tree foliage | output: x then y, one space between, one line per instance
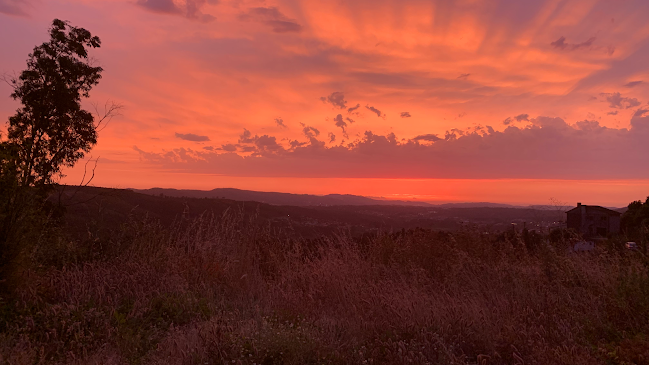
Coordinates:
636 218
51 130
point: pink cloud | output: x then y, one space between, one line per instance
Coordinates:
272 18
437 60
547 148
14 7
616 100
563 45
191 9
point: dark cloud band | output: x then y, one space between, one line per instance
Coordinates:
272 18
529 151
192 137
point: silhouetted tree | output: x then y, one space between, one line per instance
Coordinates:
635 221
49 131
8 185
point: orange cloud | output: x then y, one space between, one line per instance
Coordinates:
546 148
202 68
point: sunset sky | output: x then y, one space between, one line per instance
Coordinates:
503 101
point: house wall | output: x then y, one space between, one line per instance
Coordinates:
597 223
573 220
593 221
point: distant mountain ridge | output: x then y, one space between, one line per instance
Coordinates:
299 200
113 207
305 200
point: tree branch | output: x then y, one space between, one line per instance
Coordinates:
9 80
110 110
82 184
85 169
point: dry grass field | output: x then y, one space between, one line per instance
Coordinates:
226 289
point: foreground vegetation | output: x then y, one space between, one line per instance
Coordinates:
227 290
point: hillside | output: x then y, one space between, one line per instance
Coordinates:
111 207
273 198
148 280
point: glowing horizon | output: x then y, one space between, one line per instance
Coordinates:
501 101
